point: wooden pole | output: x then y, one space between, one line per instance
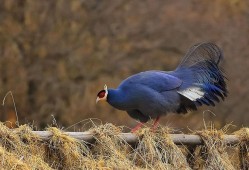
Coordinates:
178 139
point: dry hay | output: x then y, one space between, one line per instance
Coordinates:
157 150
243 147
212 155
21 149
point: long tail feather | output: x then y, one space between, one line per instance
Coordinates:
203 79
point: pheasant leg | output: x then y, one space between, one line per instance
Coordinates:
155 124
139 125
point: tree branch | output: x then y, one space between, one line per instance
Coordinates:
178 139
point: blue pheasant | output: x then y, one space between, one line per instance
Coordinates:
198 80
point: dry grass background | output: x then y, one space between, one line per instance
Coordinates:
56 55
22 150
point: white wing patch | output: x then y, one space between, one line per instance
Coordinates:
192 93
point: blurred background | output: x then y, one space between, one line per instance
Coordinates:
56 55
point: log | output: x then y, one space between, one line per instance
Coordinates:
178 139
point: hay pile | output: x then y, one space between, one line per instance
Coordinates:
21 149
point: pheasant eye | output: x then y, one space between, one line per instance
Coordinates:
101 94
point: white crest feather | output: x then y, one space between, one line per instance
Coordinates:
106 90
192 93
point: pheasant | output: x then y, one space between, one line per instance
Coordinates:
198 80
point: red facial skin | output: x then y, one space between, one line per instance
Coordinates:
101 94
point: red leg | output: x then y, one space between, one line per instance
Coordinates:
155 124
139 125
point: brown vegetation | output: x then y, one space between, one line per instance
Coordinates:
21 149
56 55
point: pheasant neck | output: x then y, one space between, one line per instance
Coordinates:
116 98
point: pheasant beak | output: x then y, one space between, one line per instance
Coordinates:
97 100
100 99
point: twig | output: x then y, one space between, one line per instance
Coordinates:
10 92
